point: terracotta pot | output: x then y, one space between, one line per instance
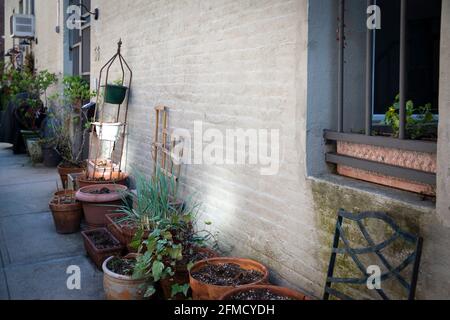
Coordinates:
124 234
67 217
99 256
285 292
97 206
181 277
64 172
83 182
119 287
203 291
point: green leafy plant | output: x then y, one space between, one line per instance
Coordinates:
76 90
418 119
167 233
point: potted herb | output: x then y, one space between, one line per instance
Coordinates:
118 280
100 244
115 93
67 212
263 293
212 278
98 201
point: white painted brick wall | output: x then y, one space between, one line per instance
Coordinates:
232 64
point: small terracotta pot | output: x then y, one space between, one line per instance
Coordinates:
67 217
97 206
181 277
285 292
64 172
99 256
118 287
203 291
83 182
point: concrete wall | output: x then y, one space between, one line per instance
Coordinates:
2 30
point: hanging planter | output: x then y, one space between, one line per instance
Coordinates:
108 131
115 94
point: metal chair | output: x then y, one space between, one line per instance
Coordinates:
342 246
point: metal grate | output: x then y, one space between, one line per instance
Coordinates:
342 246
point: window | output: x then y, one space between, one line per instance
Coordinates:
80 43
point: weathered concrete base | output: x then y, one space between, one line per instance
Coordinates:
331 193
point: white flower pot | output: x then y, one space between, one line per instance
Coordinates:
108 131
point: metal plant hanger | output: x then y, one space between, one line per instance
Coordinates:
109 133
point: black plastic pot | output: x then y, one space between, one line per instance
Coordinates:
51 158
115 94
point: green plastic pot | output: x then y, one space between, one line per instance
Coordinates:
115 94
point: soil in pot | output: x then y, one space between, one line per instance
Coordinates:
118 282
98 201
212 278
101 244
67 212
263 293
227 274
181 276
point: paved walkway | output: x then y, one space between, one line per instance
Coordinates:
33 257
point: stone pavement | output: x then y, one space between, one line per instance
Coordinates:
33 257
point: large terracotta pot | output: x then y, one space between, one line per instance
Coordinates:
64 172
97 206
118 287
67 217
181 276
204 291
83 182
285 292
97 255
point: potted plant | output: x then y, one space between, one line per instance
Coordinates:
71 125
100 244
212 278
173 244
420 125
67 212
118 280
35 150
98 201
263 293
116 92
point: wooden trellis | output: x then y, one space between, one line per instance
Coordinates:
165 156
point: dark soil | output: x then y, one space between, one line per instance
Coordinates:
101 191
228 274
194 255
102 240
123 267
259 295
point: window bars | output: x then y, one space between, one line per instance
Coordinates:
342 246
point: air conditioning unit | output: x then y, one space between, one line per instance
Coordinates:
22 26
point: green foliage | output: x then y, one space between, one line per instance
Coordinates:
76 90
417 119
166 229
